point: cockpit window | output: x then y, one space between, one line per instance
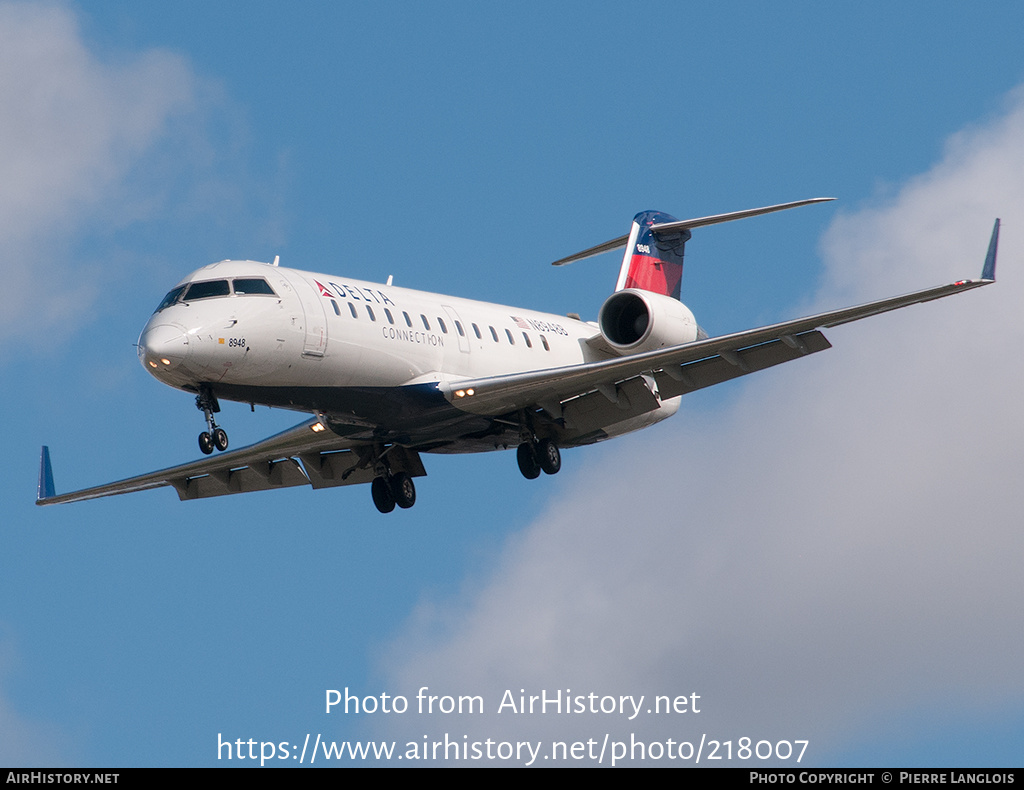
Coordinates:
255 285
243 286
207 289
172 297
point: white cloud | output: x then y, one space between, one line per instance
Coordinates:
838 547
72 129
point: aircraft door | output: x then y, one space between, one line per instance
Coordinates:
461 332
315 318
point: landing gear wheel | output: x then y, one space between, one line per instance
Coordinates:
404 490
213 436
548 456
383 499
527 459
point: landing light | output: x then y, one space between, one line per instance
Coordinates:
165 361
152 364
317 427
463 393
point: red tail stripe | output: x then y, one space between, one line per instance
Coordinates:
651 274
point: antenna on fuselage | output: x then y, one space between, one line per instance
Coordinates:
277 260
391 279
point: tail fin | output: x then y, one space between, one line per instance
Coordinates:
653 261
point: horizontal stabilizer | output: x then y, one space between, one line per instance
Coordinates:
684 224
715 219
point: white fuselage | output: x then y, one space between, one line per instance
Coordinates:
337 346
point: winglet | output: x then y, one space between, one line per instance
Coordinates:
46 489
989 270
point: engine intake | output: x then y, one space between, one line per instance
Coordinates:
633 320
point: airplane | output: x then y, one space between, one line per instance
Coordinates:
390 373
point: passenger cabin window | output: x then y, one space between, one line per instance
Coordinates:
426 324
440 322
253 285
458 328
408 321
207 290
526 337
335 306
511 340
369 312
476 329
544 340
352 309
391 318
493 334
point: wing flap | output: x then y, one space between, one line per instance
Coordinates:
610 405
284 473
676 380
326 470
348 467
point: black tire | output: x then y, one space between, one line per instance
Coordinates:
220 439
548 456
403 490
383 499
527 459
205 443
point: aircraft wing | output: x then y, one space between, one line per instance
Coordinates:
308 454
684 368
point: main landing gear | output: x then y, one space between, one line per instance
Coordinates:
212 437
389 487
535 457
390 490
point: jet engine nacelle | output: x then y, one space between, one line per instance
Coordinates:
633 321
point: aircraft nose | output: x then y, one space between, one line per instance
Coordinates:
163 347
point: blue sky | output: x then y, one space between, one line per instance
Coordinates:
825 551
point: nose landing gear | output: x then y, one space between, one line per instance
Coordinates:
213 436
217 439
